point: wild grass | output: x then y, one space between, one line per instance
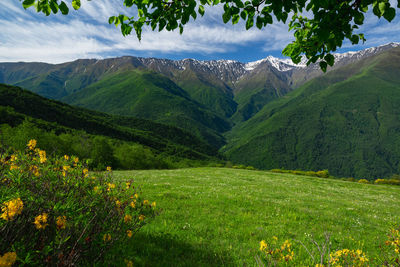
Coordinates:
218 216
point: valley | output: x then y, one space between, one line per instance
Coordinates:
267 114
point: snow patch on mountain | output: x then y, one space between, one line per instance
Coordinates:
278 63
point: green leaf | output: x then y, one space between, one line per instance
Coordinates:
63 8
161 24
268 19
259 22
235 18
283 17
376 11
243 14
226 16
54 7
180 28
76 4
201 10
323 65
354 39
28 3
389 14
111 20
382 7
330 59
358 18
249 22
194 14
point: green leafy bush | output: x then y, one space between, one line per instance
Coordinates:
54 212
387 181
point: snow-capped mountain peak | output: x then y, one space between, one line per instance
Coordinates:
278 63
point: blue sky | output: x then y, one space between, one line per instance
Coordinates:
29 36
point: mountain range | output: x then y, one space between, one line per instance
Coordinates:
269 113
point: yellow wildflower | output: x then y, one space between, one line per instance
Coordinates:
129 233
118 203
31 144
133 205
11 208
136 196
110 186
145 202
76 160
141 217
41 221
13 158
129 263
35 170
42 156
66 157
108 168
128 184
263 245
96 189
61 222
8 259
106 237
14 167
85 172
153 204
127 218
66 168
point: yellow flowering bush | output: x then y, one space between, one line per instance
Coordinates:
273 253
11 208
392 248
52 212
346 257
8 259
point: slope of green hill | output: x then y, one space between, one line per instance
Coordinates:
151 96
209 91
346 121
252 93
217 217
17 104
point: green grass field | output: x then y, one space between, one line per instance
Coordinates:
218 216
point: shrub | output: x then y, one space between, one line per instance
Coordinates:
54 212
323 174
363 181
273 253
387 181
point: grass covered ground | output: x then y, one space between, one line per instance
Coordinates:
218 216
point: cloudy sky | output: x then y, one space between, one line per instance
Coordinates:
29 36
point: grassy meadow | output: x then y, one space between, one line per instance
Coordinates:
218 216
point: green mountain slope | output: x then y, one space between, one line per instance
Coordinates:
151 96
207 90
254 91
16 105
346 121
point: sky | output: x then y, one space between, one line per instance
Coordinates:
29 36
